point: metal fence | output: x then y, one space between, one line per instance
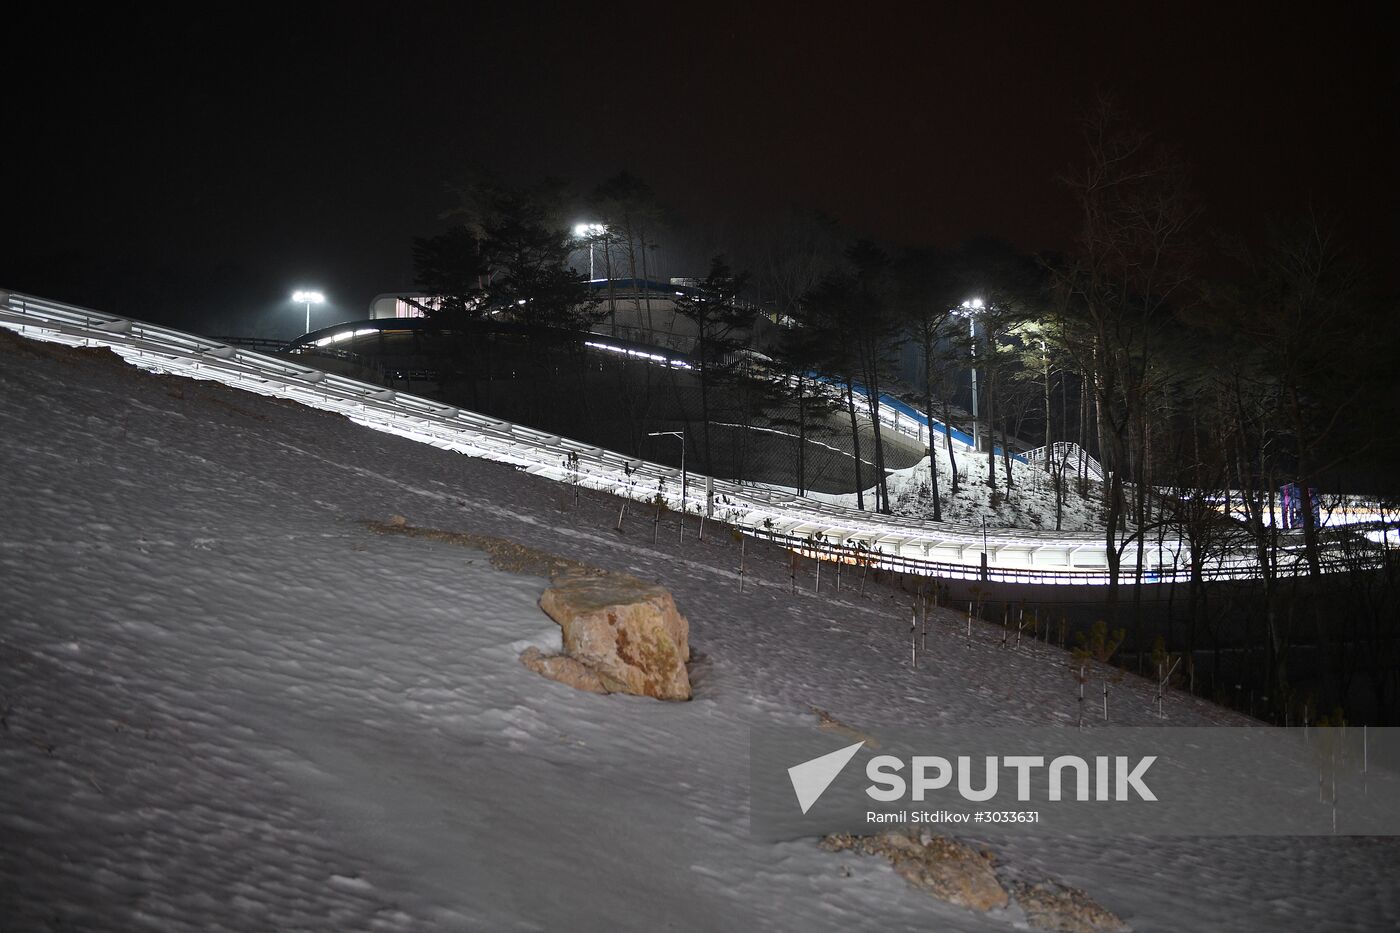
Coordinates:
1074 457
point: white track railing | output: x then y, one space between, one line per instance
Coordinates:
1071 456
939 549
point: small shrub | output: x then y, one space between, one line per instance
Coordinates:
1098 644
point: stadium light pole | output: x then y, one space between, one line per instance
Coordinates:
969 310
684 477
590 232
308 299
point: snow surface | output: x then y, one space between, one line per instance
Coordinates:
1030 503
227 704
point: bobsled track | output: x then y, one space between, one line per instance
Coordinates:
815 529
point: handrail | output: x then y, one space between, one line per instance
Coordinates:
835 551
1066 452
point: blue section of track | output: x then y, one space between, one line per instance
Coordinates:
911 413
427 324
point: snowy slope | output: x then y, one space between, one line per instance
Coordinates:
1030 503
228 704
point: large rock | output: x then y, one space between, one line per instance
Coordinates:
563 669
955 872
951 871
627 632
1058 907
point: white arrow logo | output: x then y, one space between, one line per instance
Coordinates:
811 778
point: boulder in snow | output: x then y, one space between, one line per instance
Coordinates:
951 871
1051 906
563 669
629 633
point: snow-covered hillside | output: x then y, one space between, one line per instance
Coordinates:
226 703
1029 503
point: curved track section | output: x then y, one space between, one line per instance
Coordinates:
811 527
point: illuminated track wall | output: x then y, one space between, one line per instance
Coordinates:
814 528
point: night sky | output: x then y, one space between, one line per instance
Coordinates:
194 164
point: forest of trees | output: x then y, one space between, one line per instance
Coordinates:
1197 367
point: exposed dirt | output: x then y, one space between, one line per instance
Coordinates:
507 555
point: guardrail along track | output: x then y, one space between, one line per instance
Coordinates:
833 532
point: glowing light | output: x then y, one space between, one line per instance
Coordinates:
639 354
308 298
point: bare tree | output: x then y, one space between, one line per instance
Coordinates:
1132 259
925 307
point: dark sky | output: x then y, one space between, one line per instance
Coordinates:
194 164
